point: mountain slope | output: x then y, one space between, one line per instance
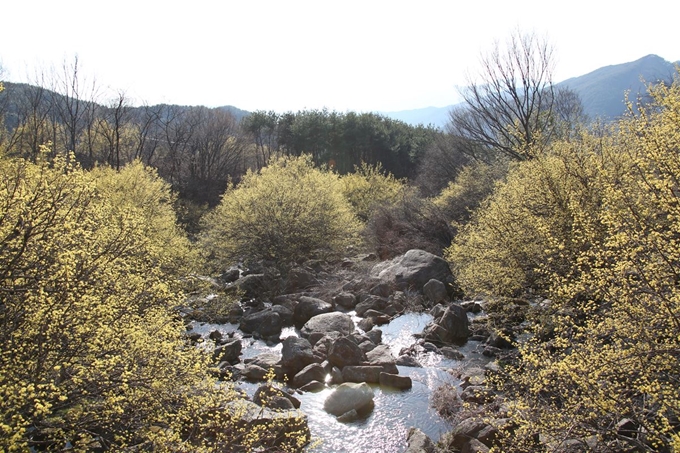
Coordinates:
602 91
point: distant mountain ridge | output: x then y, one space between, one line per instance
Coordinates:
602 91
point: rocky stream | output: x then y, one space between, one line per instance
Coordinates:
359 347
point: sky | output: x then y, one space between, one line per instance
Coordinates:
288 55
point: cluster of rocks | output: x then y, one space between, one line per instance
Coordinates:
331 349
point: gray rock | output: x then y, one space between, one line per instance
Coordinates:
254 285
413 270
362 373
367 345
418 442
366 324
467 429
382 356
279 423
349 416
437 311
328 322
313 387
230 275
266 323
349 396
296 354
312 372
435 291
395 381
452 327
266 392
309 307
235 314
474 446
254 373
285 313
375 335
298 279
451 353
407 360
371 303
228 352
265 360
346 300
344 352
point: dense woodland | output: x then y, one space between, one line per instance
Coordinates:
525 197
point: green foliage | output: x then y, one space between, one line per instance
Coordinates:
594 226
92 357
368 187
286 212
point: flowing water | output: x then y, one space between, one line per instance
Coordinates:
386 427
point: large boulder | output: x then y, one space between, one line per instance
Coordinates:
346 300
266 323
395 381
375 303
328 322
435 291
344 352
312 372
418 442
255 285
269 396
382 356
452 327
349 396
280 425
265 360
362 373
307 308
413 270
298 279
296 354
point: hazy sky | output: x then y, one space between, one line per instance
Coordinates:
290 54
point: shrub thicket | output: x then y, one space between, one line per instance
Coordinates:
288 211
594 225
92 357
370 187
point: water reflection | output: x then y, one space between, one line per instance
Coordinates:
385 429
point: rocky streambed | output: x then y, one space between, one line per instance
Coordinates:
350 351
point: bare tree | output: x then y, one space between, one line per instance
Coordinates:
112 125
508 107
75 105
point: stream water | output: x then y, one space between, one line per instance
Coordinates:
386 428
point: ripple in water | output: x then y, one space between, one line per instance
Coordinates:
386 427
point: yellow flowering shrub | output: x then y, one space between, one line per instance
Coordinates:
526 225
285 212
603 236
92 357
474 182
370 186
